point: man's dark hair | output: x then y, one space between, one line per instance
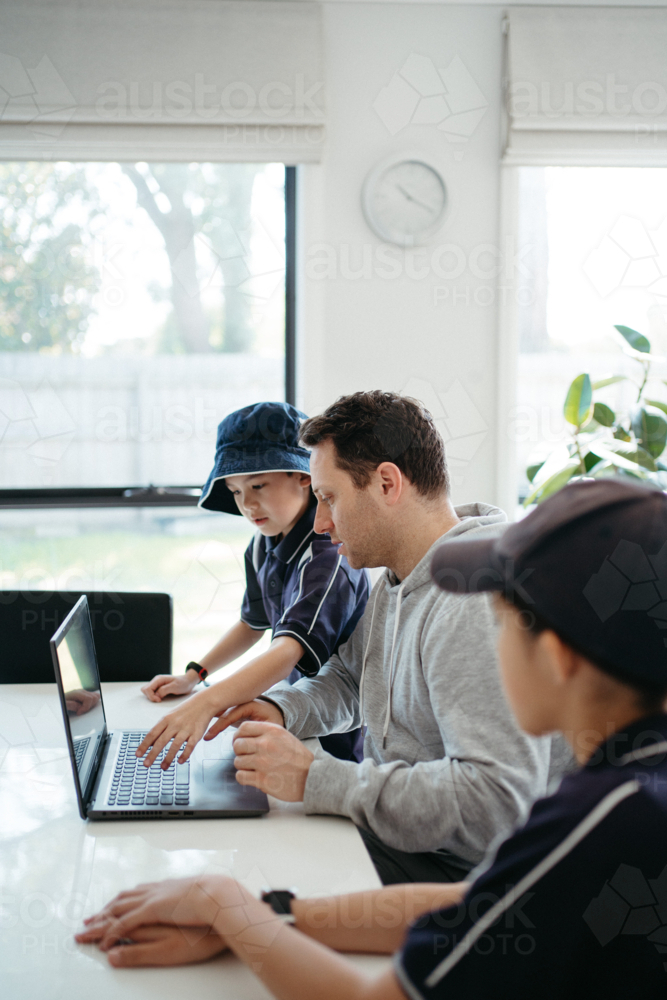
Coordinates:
368 428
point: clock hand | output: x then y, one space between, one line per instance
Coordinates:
429 208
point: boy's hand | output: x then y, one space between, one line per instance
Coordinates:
253 711
187 724
164 684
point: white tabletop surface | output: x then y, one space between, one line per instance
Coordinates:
56 868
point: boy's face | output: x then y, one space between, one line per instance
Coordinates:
272 501
526 677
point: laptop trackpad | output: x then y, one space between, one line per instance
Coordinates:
219 775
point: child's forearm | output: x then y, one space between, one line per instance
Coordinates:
374 921
257 676
237 641
293 967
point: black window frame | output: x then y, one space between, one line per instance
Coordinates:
174 496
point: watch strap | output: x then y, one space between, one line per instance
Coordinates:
280 901
202 672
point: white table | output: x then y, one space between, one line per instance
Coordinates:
56 868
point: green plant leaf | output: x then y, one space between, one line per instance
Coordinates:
532 470
591 460
604 415
610 380
552 485
657 404
620 462
650 429
636 340
621 434
636 454
578 408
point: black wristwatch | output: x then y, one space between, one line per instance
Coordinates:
280 901
202 672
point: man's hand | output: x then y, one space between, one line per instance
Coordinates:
166 684
158 944
252 711
270 758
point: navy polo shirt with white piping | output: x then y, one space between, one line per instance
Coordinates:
302 587
574 904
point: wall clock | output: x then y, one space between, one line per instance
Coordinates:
404 200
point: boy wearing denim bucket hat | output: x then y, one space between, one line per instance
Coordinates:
297 584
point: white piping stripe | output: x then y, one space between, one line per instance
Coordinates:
335 572
256 628
255 550
643 752
302 641
305 539
596 816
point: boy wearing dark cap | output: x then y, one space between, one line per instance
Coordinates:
574 903
297 583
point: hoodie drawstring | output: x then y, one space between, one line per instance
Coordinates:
397 619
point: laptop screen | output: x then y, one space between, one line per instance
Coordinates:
75 664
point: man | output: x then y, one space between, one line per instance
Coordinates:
446 769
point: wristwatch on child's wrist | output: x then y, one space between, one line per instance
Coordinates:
201 672
280 901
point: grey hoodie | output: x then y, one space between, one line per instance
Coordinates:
445 766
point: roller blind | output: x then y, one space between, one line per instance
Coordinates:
586 86
227 80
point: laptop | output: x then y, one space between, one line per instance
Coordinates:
110 782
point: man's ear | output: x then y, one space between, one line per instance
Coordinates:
304 479
390 479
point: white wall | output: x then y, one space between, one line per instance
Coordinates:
371 332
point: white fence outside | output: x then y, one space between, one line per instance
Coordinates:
111 421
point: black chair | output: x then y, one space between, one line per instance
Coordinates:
133 633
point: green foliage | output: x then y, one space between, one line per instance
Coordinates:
650 429
47 278
636 340
603 415
603 442
578 408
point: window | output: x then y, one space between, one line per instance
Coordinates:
595 241
139 304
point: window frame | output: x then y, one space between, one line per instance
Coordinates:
174 496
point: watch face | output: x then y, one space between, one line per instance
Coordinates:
405 202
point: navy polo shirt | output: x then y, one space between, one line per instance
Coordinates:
574 904
301 586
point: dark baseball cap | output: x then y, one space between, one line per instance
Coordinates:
260 438
591 562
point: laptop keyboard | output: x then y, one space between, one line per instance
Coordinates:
136 785
80 751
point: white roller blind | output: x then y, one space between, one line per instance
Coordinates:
587 86
235 80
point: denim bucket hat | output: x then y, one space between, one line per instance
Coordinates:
263 437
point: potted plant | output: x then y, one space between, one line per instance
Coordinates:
605 443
